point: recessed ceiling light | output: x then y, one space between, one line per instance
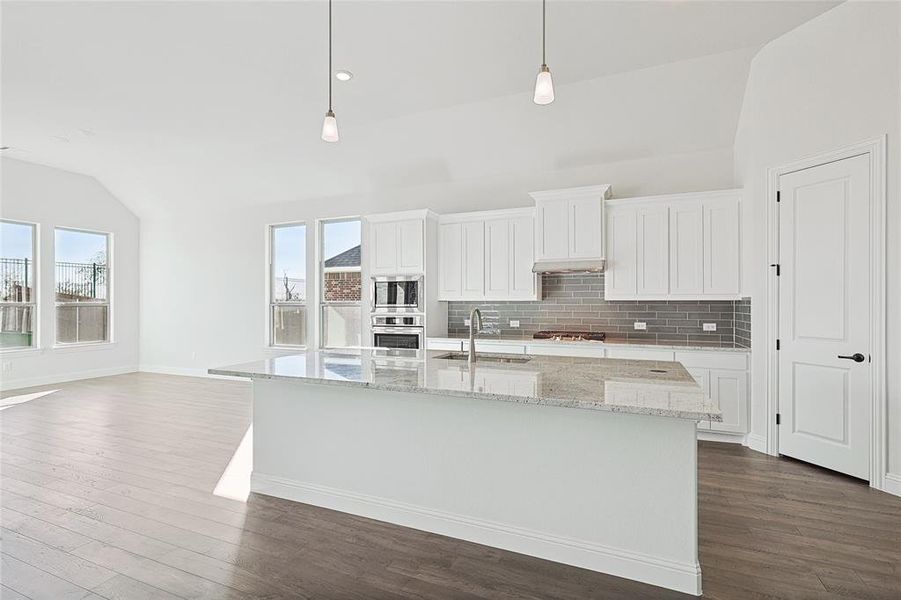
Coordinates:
343 75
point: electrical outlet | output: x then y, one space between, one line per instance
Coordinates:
514 323
641 326
709 326
7 367
466 322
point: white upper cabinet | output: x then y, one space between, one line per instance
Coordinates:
686 243
397 244
473 260
653 250
722 250
487 255
678 247
569 227
450 265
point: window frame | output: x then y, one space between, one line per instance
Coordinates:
35 302
108 302
321 270
271 303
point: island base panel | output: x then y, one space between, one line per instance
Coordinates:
615 493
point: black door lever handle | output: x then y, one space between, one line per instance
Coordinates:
857 357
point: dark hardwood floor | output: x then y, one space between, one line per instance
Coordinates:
107 484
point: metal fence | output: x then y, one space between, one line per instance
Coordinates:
74 281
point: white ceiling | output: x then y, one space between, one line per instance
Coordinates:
212 104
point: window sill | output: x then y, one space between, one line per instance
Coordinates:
14 352
283 349
64 348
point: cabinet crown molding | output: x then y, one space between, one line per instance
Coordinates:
422 213
483 215
670 198
588 191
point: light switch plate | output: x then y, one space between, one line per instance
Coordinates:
709 326
514 323
641 326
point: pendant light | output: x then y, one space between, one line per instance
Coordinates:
544 84
330 124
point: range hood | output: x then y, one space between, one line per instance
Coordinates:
570 265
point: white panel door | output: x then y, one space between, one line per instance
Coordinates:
653 251
473 260
450 256
686 249
824 315
384 244
729 390
522 257
552 229
722 247
620 279
409 246
497 258
585 226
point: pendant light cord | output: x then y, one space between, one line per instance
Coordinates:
330 55
543 30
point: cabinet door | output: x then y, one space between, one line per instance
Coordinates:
497 258
586 219
523 281
450 257
653 251
409 246
722 247
384 244
552 229
729 390
473 260
702 376
686 249
620 279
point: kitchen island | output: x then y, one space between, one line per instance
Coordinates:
589 462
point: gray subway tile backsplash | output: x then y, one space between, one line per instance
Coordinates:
574 302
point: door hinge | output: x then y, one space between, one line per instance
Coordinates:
778 344
778 419
778 196
778 269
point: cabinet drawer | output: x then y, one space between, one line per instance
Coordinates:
639 354
566 350
713 360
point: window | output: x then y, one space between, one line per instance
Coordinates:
341 325
287 285
82 287
17 303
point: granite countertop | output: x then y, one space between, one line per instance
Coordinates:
618 342
625 386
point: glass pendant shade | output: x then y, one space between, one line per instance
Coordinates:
544 86
330 127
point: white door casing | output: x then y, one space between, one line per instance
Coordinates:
824 313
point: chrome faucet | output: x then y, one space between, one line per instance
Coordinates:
472 337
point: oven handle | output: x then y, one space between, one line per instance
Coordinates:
411 329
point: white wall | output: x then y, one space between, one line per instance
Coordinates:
204 275
51 197
829 83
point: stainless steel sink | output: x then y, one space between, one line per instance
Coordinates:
484 357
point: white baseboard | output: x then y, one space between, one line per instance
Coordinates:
757 442
892 484
16 384
718 436
185 372
683 577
